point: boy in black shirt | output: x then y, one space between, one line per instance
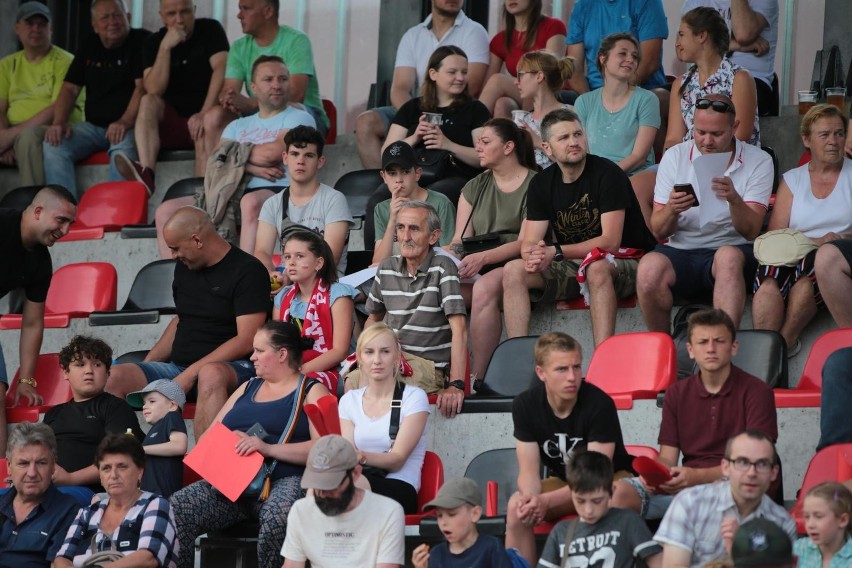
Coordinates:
554 419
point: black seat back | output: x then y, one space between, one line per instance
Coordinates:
185 187
152 288
511 369
495 465
20 197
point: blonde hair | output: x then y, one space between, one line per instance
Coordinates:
555 341
838 497
371 333
556 71
817 112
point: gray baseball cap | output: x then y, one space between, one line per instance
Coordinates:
168 388
29 9
328 461
454 493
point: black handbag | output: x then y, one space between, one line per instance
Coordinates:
485 241
393 430
436 164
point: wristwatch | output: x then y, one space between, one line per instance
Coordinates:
459 384
31 381
558 254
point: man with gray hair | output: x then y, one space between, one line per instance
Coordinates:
34 515
417 294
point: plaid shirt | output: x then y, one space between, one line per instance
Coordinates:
694 520
810 556
148 525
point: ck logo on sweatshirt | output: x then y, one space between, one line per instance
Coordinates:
562 447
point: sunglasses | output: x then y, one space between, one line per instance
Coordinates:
718 106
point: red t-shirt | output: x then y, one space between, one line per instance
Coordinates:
548 28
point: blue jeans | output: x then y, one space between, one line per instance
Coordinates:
834 424
85 140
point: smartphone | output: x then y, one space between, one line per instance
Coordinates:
687 187
257 430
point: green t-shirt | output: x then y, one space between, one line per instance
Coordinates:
293 47
493 210
441 203
30 87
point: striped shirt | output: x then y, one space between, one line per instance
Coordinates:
417 306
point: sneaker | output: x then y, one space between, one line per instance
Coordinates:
794 350
131 170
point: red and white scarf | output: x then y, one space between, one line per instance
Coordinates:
600 254
318 326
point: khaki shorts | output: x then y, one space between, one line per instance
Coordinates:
560 280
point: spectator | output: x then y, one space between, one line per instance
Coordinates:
34 515
587 204
444 147
307 202
340 523
265 174
265 37
525 29
137 524
492 203
401 175
184 65
319 305
700 523
762 543
728 397
835 400
458 507
82 423
221 296
26 264
753 26
109 66
266 400
30 81
833 268
545 76
711 255
417 295
446 25
593 535
622 119
815 199
391 466
553 421
827 510
166 442
703 40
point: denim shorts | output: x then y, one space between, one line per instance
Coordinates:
386 113
694 269
155 370
654 505
4 378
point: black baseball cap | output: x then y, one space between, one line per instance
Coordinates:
760 542
399 154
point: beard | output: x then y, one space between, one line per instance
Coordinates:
333 506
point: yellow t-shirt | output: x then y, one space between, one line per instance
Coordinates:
30 87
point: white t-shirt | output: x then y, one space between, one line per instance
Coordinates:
760 67
371 434
372 533
327 206
262 130
751 172
816 217
418 43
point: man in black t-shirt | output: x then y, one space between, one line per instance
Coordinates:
221 298
109 67
552 420
587 205
184 66
25 263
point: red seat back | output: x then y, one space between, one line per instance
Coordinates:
431 479
4 473
825 345
331 113
833 463
82 288
642 364
112 205
52 385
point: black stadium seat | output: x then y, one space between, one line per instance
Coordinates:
182 188
150 295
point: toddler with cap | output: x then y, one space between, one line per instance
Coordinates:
459 507
760 543
165 444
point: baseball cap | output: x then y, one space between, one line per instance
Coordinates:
29 9
328 461
456 492
400 154
760 542
168 388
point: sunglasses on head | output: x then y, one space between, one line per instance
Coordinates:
718 106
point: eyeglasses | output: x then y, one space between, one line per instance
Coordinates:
718 106
744 464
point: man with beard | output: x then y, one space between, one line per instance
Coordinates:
338 522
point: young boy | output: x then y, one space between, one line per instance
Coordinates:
459 506
616 537
165 444
401 174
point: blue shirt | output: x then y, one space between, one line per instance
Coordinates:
35 542
810 556
486 551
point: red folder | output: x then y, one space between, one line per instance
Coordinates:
215 459
653 472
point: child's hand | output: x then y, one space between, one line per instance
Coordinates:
420 556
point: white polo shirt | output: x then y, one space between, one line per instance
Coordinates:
751 171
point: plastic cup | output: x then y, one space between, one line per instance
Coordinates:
519 117
836 96
807 99
435 118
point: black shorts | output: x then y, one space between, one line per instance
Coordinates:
694 269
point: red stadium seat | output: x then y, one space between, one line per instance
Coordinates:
431 480
808 391
76 291
4 473
107 207
580 303
52 386
331 113
634 366
96 159
833 463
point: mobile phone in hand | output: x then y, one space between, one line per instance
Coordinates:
687 188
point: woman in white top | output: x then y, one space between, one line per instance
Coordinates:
815 199
392 469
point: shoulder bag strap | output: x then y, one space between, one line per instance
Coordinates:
301 392
285 205
569 536
396 409
472 209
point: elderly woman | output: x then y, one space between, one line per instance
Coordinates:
267 400
815 199
130 523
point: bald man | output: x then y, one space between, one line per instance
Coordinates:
25 263
221 297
